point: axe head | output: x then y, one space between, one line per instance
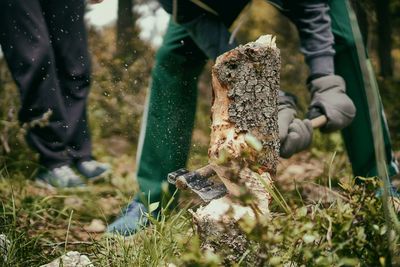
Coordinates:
198 183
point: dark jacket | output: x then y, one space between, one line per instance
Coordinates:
311 18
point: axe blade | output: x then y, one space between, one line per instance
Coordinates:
198 182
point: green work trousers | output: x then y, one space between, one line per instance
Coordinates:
169 114
168 119
358 136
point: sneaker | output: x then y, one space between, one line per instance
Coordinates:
394 197
61 177
132 220
92 169
391 190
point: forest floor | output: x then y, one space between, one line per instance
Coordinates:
43 224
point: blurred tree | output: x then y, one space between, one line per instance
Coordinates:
384 32
125 27
395 15
362 18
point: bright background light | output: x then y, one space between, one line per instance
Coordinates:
151 23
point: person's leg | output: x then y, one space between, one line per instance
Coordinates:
210 31
65 21
169 116
27 49
358 136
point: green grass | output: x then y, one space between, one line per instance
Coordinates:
42 225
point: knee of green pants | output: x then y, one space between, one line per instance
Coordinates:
178 45
167 130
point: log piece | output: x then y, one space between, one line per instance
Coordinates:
245 83
244 145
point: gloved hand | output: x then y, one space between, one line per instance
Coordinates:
295 135
328 93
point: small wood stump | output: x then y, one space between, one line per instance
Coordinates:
244 146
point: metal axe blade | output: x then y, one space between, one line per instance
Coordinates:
198 182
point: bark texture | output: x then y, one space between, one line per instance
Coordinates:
245 85
244 144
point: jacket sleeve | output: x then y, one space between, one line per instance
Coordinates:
313 23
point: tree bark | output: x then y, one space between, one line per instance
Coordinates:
125 27
244 145
384 38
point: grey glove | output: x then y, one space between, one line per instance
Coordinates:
298 138
328 94
295 135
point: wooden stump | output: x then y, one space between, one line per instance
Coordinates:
244 146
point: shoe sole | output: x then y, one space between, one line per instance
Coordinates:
45 185
42 184
99 178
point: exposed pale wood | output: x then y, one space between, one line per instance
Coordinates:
318 122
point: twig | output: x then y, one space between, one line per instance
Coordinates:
74 243
66 237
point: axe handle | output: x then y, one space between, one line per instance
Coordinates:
206 171
319 121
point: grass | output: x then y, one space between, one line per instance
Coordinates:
41 227
348 231
307 226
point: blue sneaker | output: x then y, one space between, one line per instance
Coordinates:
93 170
392 192
132 220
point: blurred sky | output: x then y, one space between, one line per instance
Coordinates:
152 23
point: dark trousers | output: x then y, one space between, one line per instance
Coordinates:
45 45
